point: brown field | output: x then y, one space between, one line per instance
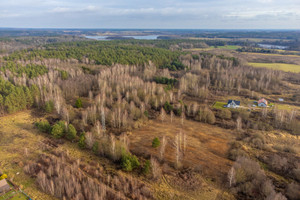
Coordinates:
206 146
18 137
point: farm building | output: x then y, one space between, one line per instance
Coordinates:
4 187
262 103
233 104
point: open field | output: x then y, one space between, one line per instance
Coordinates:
291 55
206 149
226 47
219 105
229 47
20 142
278 66
206 145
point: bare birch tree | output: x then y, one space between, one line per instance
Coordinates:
231 176
162 114
162 148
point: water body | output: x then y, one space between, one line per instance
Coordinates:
137 37
269 46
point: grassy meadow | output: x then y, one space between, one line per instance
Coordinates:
278 66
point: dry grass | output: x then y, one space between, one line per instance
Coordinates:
207 145
17 134
282 140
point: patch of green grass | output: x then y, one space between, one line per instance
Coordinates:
287 107
278 66
228 47
13 195
219 105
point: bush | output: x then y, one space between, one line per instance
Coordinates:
146 113
235 153
49 106
168 107
71 133
78 103
64 75
58 130
296 173
146 168
81 142
224 114
129 162
250 180
95 147
43 126
155 142
293 191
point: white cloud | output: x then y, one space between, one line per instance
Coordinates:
155 13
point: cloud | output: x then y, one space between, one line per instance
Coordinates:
151 14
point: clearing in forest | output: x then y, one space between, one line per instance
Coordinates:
206 145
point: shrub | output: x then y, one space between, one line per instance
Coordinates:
64 75
43 126
296 173
95 147
251 181
146 113
235 153
71 133
155 142
78 103
49 106
81 142
129 162
146 168
58 130
224 114
168 107
293 191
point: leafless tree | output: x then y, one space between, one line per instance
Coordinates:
177 150
155 168
162 114
231 176
239 123
162 147
172 116
89 140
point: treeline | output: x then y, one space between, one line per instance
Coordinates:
31 70
100 53
261 50
14 98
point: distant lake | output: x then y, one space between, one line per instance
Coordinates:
137 37
269 46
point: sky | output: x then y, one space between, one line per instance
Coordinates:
151 14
